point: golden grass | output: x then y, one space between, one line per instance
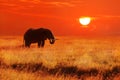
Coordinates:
81 53
9 74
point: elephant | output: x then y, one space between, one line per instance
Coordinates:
38 36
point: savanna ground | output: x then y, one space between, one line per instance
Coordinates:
70 58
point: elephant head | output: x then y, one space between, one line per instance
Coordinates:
50 36
38 36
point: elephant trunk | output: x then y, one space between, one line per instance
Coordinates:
52 41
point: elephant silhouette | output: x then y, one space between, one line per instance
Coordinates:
38 36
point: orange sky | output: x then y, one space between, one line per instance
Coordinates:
61 16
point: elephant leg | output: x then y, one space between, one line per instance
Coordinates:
39 43
27 44
42 43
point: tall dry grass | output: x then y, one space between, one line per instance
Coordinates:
80 58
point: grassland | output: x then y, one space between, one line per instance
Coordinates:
70 58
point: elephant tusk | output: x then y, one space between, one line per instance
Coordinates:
56 39
52 41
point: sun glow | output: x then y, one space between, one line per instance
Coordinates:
84 20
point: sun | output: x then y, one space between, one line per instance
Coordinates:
84 20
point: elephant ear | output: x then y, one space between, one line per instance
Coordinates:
44 34
49 34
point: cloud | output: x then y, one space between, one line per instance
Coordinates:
50 3
30 4
35 15
111 16
60 4
14 5
8 4
31 1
